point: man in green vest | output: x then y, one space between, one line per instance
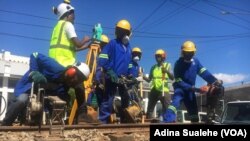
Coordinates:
64 42
63 46
159 75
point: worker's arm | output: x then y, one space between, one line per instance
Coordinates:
71 34
105 60
81 44
205 74
87 45
33 62
167 70
36 65
105 57
170 75
148 79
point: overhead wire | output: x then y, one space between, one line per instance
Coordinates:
169 15
238 17
150 15
22 36
228 6
156 35
160 36
201 12
51 19
152 35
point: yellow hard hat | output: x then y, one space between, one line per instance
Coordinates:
104 38
136 49
124 24
161 52
188 46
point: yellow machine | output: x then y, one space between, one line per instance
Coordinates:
91 62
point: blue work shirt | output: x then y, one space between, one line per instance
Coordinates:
115 56
49 68
134 69
185 73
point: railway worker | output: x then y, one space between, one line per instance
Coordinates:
185 70
44 69
114 59
64 41
134 65
99 75
134 71
160 74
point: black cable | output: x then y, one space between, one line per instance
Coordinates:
151 14
207 2
159 35
21 36
227 6
201 12
171 14
51 19
36 25
42 26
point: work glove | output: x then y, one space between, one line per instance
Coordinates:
113 77
37 77
132 80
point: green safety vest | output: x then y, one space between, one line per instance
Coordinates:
157 78
61 47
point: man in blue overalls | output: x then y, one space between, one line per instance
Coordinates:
44 69
185 70
114 60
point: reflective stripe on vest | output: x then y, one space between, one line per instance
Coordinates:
157 78
61 47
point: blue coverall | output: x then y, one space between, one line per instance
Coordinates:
51 70
185 77
134 72
134 69
114 56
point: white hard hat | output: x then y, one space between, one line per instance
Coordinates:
83 68
63 8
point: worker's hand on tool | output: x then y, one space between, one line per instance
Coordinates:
37 77
204 89
218 82
86 39
113 77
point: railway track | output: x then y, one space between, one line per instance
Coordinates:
80 132
75 132
105 127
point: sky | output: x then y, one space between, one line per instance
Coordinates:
222 40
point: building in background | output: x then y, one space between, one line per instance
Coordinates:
12 68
